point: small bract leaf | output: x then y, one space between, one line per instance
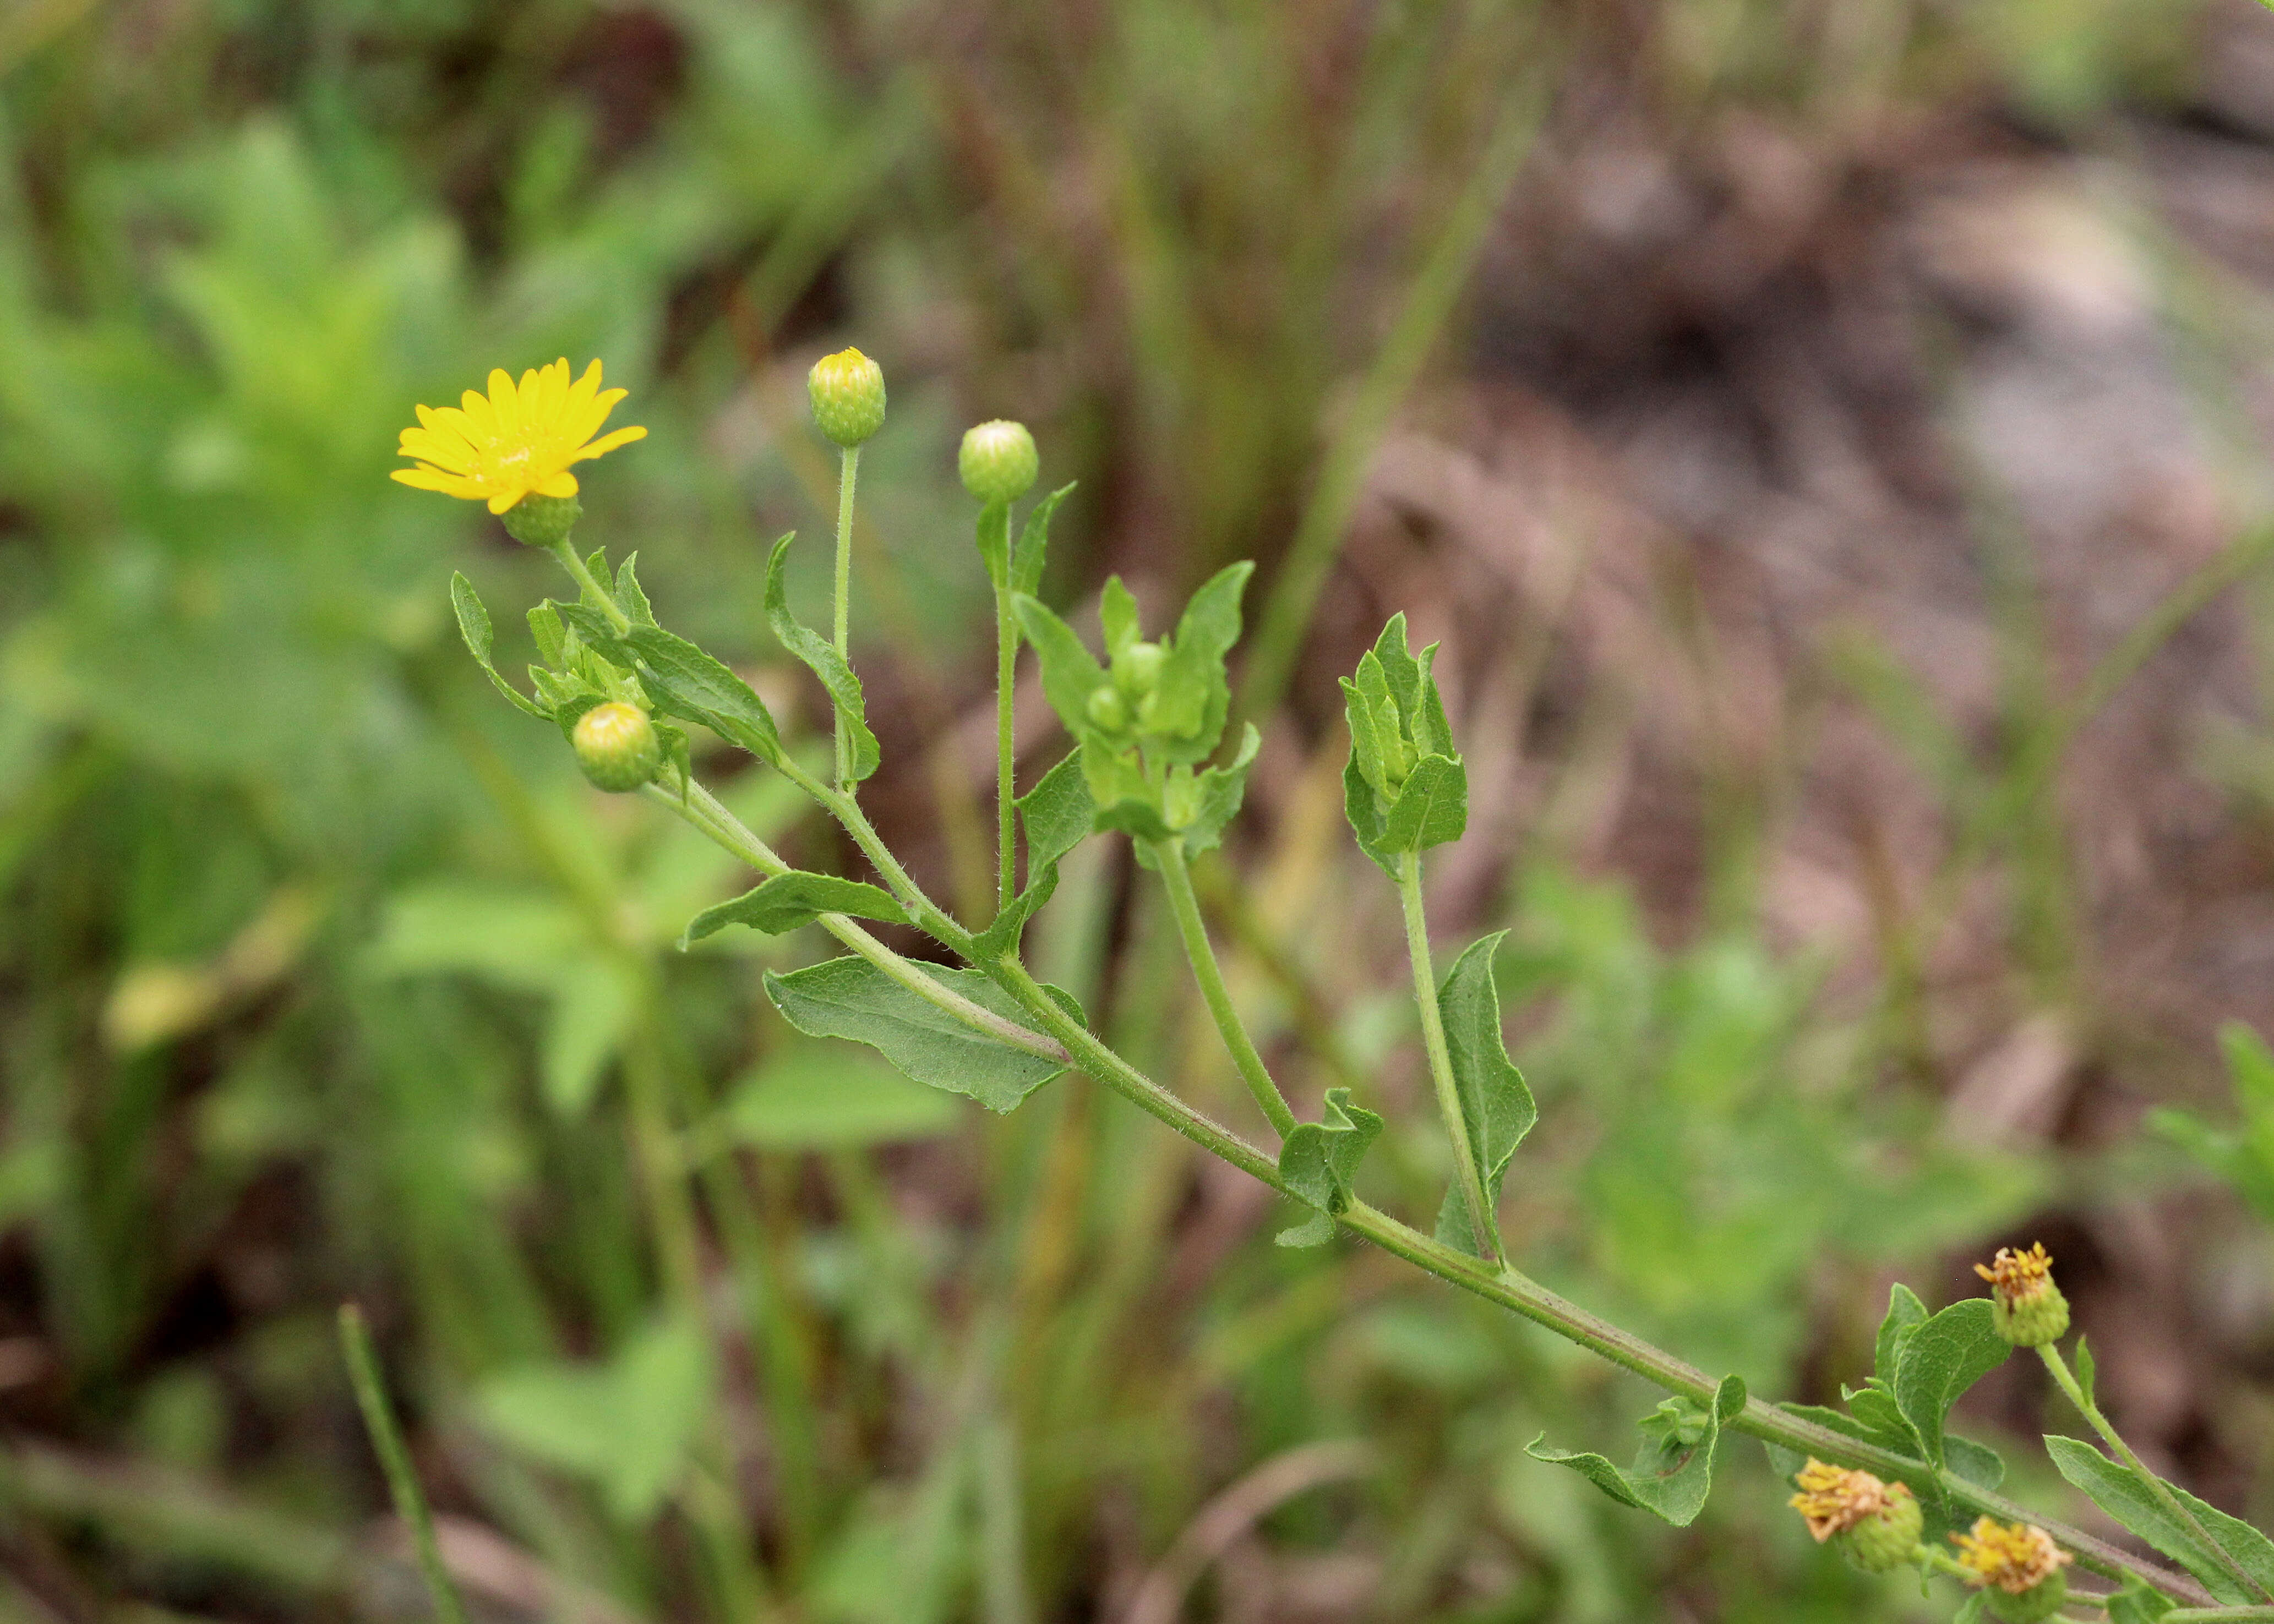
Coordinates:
788 900
994 541
1495 1105
1070 675
2084 1370
1320 1159
2138 1603
1026 559
1219 791
1674 1470
629 595
474 627
820 656
850 997
1431 809
1905 1314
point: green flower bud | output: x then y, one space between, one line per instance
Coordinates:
1888 1538
541 521
1137 668
617 746
1107 709
2026 1308
847 391
998 462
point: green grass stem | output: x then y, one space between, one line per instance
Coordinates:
395 1461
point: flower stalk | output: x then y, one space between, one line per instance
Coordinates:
1468 1175
1177 876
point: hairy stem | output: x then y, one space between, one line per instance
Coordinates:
848 465
1170 855
582 574
2155 1485
1441 1061
395 1460
1077 1046
1006 749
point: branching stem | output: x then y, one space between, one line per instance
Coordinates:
1170 856
2162 1492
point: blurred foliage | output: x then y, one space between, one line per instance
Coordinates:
321 976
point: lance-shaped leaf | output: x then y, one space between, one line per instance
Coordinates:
1194 693
1057 815
1497 1107
850 997
629 595
1320 1159
994 539
1070 674
1027 558
474 627
1674 1470
1421 708
684 681
1118 618
1217 793
788 900
2117 1492
821 657
1431 809
544 626
1939 1361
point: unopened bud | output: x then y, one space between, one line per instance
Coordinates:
541 521
998 462
2026 1308
617 746
1107 709
1137 668
847 391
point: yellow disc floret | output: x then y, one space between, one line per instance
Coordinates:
2027 1309
2019 1564
517 440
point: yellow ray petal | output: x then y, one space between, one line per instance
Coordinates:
556 484
609 442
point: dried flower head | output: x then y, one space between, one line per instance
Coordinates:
1833 1499
2014 1557
2028 1309
516 440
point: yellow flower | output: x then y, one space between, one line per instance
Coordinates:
2013 1556
1833 1500
518 440
2017 1276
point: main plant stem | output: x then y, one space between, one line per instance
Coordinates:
1170 855
1441 1061
1069 1041
849 466
1006 749
2162 1492
395 1461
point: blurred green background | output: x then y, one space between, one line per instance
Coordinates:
1828 434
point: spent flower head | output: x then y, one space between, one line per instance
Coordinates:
2019 1563
2026 1307
1876 1524
847 392
518 441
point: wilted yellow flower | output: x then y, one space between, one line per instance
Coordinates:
2015 1556
517 439
2017 1276
1833 1499
2027 1308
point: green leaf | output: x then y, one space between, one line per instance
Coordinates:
2136 1603
551 637
1119 792
788 900
1432 808
1495 1105
1977 1463
2083 1370
1674 1470
1905 1314
1217 793
1362 805
824 1096
1069 674
1884 1422
1973 1610
2115 1491
1940 1360
994 539
685 682
629 596
1027 558
1116 617
1421 708
474 627
1319 1160
628 1424
822 658
1194 693
1057 815
850 997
